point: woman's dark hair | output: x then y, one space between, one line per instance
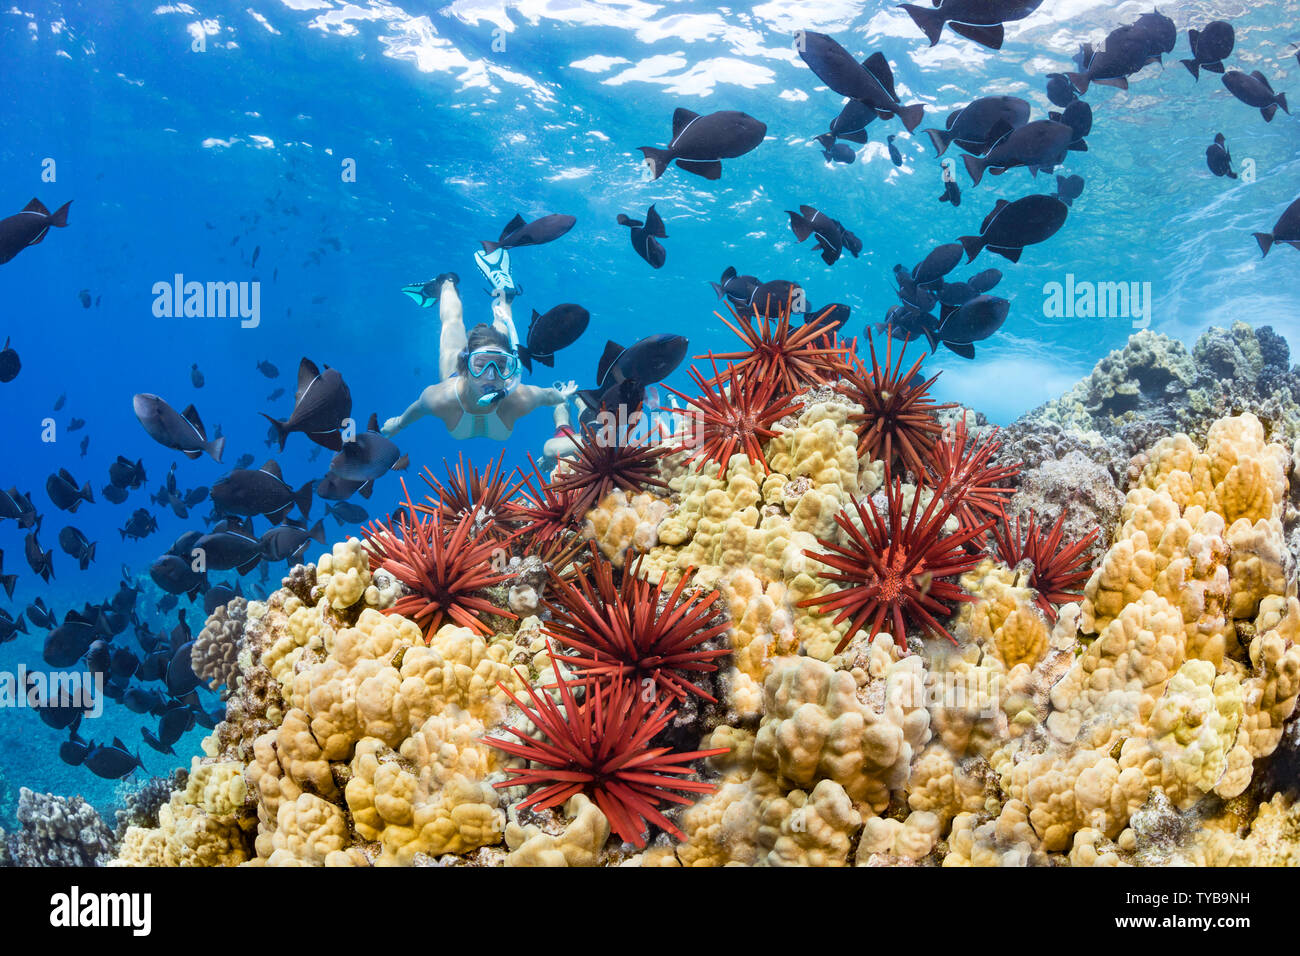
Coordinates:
482 336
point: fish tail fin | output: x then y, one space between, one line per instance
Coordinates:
7 581
317 533
86 493
801 226
1281 101
657 159
1215 67
1079 81
302 498
1193 68
912 115
940 138
972 245
717 288
547 360
216 448
60 217
281 429
974 166
90 555
1265 240
929 21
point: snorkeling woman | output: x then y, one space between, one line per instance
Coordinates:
480 394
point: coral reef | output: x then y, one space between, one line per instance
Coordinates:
1092 662
58 831
215 654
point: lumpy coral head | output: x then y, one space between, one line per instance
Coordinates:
444 567
601 745
899 567
634 631
897 424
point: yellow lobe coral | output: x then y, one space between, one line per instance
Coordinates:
579 844
815 728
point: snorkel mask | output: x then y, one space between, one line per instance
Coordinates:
504 364
503 367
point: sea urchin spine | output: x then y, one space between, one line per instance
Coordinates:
602 746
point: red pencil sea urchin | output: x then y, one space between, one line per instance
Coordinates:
539 509
897 423
788 359
603 463
900 567
735 414
443 566
976 492
601 746
1056 569
634 630
465 489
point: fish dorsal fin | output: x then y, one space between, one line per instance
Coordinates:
191 415
514 224
36 206
607 359
729 273
654 225
681 119
372 425
1263 79
117 742
272 469
1218 138
307 373
533 319
952 118
997 208
878 66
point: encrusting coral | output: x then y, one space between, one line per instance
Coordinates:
806 656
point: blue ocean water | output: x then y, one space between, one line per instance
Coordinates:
190 135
